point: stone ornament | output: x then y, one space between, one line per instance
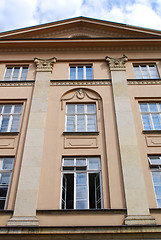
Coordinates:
117 63
44 65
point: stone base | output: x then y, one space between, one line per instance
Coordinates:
23 221
139 220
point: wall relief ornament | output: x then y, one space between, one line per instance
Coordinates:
80 94
44 65
117 63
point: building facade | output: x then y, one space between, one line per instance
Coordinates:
80 131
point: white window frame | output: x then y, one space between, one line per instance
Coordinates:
149 113
12 72
87 171
84 72
155 167
10 115
139 66
81 114
10 171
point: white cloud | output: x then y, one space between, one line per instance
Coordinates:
21 13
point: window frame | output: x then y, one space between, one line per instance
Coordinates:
11 115
149 113
85 114
10 178
19 73
74 172
157 169
84 72
140 65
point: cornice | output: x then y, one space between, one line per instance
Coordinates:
80 83
100 49
144 82
16 84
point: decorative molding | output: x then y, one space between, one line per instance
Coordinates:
63 49
78 83
144 82
117 63
44 65
16 84
80 94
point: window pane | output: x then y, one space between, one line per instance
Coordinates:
81 204
7 108
146 122
2 203
18 108
155 160
156 177
81 123
4 178
24 73
91 108
80 72
153 107
70 124
4 124
72 73
68 162
3 192
7 163
89 72
144 107
80 108
91 123
156 121
15 73
153 71
15 124
81 178
70 108
94 163
8 74
81 162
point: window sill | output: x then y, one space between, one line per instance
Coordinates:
80 133
9 133
152 131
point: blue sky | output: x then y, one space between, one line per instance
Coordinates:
24 13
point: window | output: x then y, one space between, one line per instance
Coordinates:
81 118
81 72
155 165
151 115
6 165
145 71
81 183
10 117
16 73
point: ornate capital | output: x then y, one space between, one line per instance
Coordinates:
44 65
117 63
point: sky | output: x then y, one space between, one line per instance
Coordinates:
16 14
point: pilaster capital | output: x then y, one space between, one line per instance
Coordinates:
117 63
44 65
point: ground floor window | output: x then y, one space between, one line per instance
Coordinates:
81 183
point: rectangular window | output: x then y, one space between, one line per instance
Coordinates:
155 165
144 71
10 117
81 118
151 115
6 165
16 73
81 72
81 183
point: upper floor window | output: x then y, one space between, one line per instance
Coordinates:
81 183
81 118
151 115
155 165
6 165
10 117
16 73
81 72
144 71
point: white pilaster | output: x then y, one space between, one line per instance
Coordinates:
134 185
28 187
